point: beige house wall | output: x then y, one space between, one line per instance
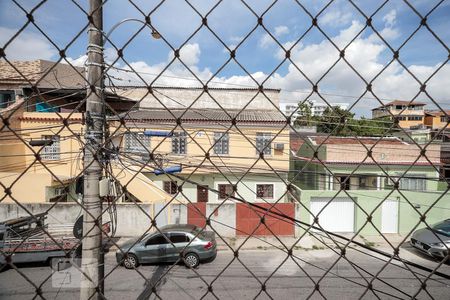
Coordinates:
242 152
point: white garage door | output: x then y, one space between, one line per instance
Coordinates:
338 216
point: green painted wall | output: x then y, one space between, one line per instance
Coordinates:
368 201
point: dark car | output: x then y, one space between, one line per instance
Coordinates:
434 241
166 245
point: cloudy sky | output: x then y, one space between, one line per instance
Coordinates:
235 25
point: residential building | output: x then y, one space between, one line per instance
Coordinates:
408 114
419 134
318 108
214 153
338 171
45 101
437 120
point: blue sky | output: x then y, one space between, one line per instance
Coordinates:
231 20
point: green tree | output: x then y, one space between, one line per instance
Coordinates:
340 122
305 117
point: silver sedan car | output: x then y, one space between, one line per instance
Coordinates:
187 242
434 241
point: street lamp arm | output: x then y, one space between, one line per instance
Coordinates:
155 33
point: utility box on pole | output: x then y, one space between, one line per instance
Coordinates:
92 253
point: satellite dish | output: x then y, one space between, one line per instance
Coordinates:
78 228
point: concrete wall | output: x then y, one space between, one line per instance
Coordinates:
132 220
227 98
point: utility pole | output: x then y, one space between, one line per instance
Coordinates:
92 265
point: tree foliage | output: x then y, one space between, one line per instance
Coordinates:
340 122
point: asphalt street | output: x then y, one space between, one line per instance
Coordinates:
263 274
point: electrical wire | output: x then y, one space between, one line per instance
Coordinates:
287 218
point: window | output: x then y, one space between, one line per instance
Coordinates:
414 182
401 118
264 191
136 142
344 181
225 191
263 139
178 238
170 187
157 240
6 98
415 118
221 141
51 152
179 143
443 119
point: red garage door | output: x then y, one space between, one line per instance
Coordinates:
248 218
196 214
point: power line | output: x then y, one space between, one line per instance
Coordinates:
287 218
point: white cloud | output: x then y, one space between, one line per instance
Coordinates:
26 46
335 18
265 41
189 54
390 18
281 30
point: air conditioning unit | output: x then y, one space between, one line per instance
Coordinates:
279 146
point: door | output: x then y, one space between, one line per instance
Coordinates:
202 193
180 241
389 216
338 215
155 249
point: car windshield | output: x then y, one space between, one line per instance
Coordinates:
442 228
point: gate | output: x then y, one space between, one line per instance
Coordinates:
248 220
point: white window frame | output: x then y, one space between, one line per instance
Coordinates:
53 151
422 177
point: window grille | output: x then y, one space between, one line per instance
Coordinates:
51 152
136 142
221 141
264 191
179 143
263 142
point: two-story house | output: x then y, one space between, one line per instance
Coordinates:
43 100
242 153
381 190
408 114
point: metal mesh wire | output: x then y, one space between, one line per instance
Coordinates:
147 156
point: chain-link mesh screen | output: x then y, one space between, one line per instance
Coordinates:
224 149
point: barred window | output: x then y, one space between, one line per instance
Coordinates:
443 119
419 183
51 152
170 187
136 142
221 141
264 191
179 143
225 191
263 139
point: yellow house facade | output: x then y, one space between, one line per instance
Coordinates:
408 114
216 150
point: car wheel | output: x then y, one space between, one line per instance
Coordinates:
191 260
131 261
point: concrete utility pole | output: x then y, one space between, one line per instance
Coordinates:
92 252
